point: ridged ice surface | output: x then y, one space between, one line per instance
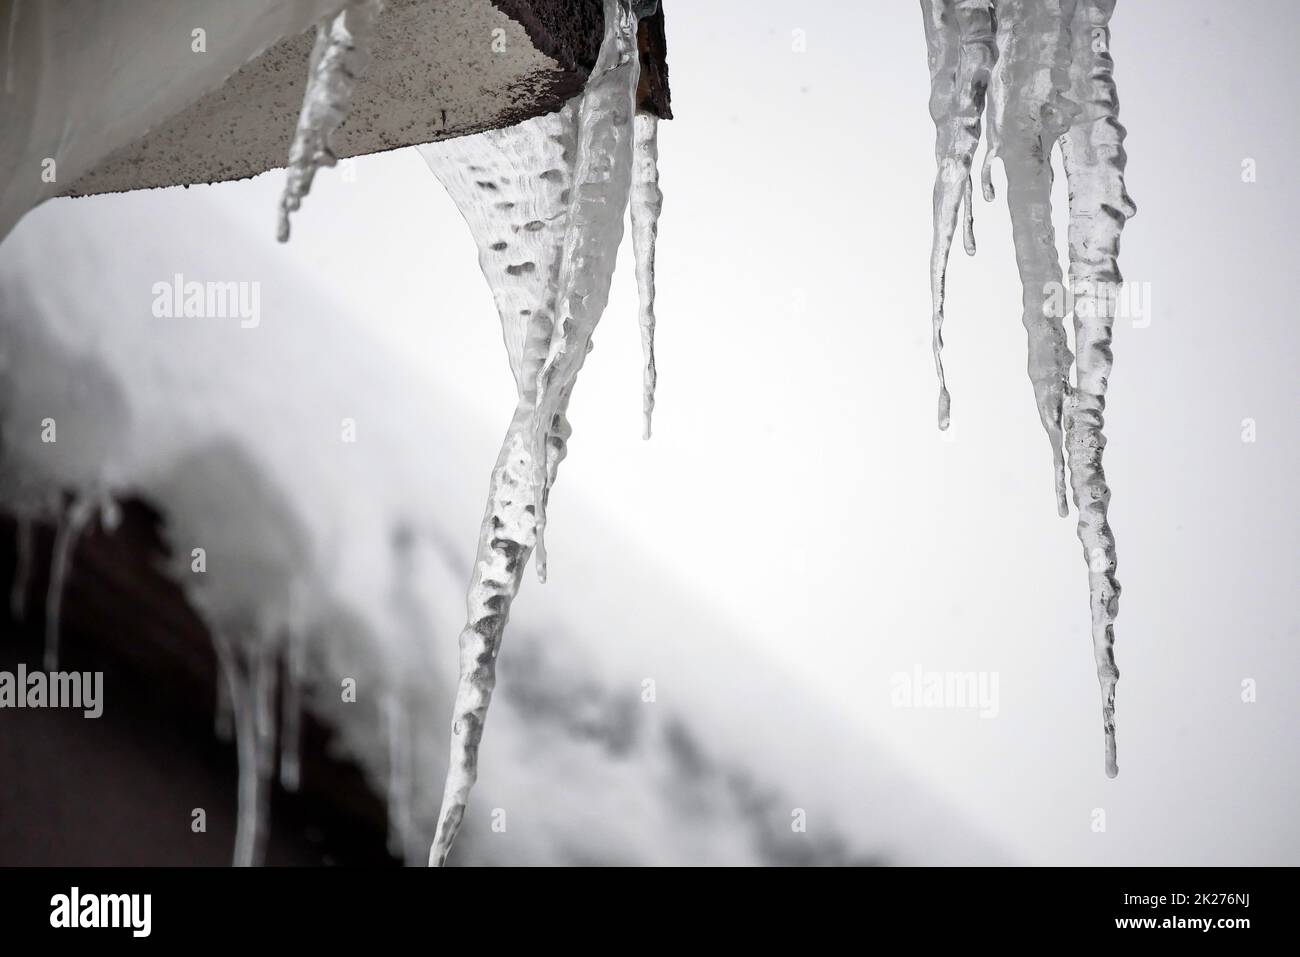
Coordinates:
1030 92
959 38
1093 151
545 201
602 181
340 55
1051 81
513 188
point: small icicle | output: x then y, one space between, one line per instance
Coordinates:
602 183
251 699
647 204
266 671
69 532
1093 152
339 56
1029 95
22 569
400 823
295 653
995 107
959 38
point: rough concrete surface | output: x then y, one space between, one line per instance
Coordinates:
439 70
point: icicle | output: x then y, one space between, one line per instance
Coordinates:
1034 53
530 216
959 37
251 699
647 204
69 532
265 683
340 55
1053 82
295 653
22 570
1093 152
602 182
401 826
512 187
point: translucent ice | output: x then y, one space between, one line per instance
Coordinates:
1051 82
647 203
340 55
959 37
545 201
1093 152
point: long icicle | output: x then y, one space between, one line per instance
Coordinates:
1094 157
69 532
252 691
535 198
602 183
339 56
295 666
512 186
959 38
647 205
397 735
943 53
1029 94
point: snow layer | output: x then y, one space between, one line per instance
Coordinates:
72 98
235 434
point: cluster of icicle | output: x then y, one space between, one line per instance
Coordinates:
259 661
545 201
1045 68
71 523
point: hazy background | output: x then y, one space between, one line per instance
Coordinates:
796 485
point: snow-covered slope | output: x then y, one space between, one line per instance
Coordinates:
335 491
